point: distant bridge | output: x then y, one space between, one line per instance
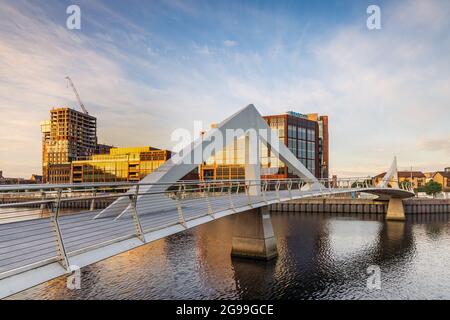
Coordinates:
43 243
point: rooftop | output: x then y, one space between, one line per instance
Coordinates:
405 174
445 174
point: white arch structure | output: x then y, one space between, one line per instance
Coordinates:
391 176
249 122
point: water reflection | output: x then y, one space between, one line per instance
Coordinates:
321 256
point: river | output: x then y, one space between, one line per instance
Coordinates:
321 256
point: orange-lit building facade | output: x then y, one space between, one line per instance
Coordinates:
71 154
121 164
443 177
306 136
68 135
323 144
416 178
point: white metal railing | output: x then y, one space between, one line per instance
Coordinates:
48 223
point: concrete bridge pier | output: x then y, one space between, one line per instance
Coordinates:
395 210
253 236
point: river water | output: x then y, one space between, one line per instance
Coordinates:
321 256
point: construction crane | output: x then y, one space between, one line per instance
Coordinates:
69 81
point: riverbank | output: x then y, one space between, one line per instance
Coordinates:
348 205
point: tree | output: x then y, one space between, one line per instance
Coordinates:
432 188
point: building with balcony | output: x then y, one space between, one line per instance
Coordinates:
68 135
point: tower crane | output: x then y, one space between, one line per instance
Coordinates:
69 81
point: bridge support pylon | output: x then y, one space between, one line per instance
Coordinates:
395 210
253 236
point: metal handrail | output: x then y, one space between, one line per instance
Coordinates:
214 196
197 184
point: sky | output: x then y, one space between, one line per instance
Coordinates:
147 68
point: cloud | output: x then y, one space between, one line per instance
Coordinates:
202 49
435 144
230 43
33 67
381 89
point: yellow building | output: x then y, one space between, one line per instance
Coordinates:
121 164
443 177
227 164
417 178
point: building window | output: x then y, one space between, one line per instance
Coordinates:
302 149
311 166
292 131
302 133
311 150
311 135
304 162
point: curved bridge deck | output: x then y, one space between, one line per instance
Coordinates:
29 256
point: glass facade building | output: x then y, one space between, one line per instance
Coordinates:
302 134
121 164
324 164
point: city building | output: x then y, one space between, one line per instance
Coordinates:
443 177
120 164
58 173
429 175
69 135
34 179
227 164
305 135
324 165
417 178
103 148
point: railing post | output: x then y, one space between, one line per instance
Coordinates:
320 187
92 207
230 196
181 219
43 205
208 201
264 190
60 249
136 220
289 187
277 190
247 191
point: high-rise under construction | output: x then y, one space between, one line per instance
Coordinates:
69 135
